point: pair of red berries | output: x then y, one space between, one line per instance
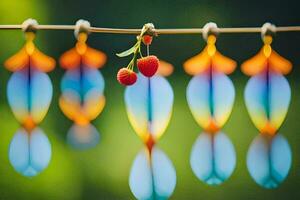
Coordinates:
146 65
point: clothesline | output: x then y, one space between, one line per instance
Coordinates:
158 31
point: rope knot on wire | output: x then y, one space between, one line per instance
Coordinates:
150 29
268 29
29 25
210 28
82 26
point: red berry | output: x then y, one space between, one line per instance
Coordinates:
148 65
126 76
147 39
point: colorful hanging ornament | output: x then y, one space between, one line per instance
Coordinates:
267 97
210 96
29 93
82 87
149 105
146 65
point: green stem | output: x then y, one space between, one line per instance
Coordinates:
137 50
140 52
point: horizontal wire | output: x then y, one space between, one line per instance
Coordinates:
158 31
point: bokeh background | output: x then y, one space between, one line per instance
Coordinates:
102 172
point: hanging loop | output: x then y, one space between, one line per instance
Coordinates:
210 28
29 25
268 29
149 29
82 26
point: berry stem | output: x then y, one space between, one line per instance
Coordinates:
147 50
137 48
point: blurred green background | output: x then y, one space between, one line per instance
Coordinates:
102 172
